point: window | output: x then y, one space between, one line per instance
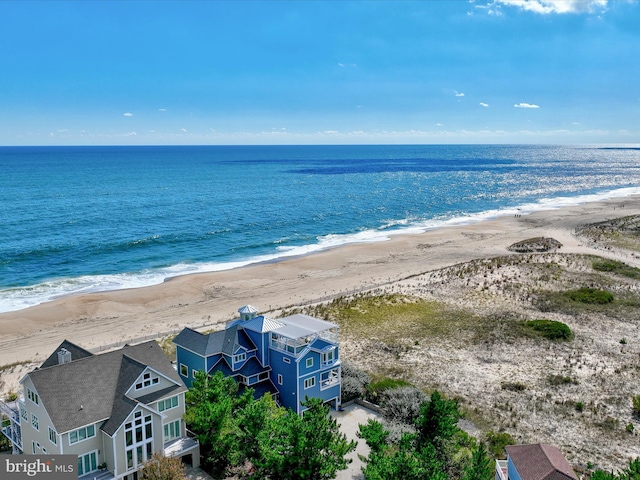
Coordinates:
53 436
33 447
279 379
184 370
82 434
263 376
138 440
34 422
167 403
87 463
193 373
171 430
327 357
286 360
147 381
309 362
309 382
23 412
44 450
33 396
241 357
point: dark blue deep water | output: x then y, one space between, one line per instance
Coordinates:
79 219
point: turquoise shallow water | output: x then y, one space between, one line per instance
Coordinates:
79 219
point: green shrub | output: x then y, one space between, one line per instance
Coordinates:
354 381
561 380
614 266
590 295
579 406
496 441
550 329
377 388
514 386
636 404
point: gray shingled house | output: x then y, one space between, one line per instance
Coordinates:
113 410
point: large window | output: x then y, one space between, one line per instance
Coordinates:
167 403
82 434
309 382
138 437
171 430
87 463
33 396
147 380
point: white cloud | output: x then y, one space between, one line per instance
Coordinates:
526 105
127 114
183 130
545 7
131 134
482 104
162 109
458 94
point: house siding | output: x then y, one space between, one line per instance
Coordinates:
512 472
192 361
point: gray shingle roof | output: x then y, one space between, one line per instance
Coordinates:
91 389
540 462
224 341
75 351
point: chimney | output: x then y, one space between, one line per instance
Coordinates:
64 356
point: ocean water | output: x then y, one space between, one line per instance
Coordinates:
86 219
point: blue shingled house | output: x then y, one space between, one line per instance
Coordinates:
291 358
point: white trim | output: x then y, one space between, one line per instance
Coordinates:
81 458
286 359
280 379
180 370
306 362
87 437
310 386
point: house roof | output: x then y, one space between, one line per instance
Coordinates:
262 324
251 367
248 309
301 325
224 341
92 389
540 462
75 351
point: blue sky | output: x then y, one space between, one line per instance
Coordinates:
319 72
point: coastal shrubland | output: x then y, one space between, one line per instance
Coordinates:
467 330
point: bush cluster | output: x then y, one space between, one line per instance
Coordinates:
354 381
550 329
590 295
614 266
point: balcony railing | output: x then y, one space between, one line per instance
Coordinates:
501 470
11 424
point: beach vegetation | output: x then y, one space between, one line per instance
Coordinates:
159 467
237 432
496 441
590 295
435 448
635 403
550 329
377 388
617 267
354 381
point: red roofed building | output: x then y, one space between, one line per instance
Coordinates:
534 462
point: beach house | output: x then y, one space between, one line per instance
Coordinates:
534 462
112 410
290 358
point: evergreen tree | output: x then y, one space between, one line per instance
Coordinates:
309 447
481 467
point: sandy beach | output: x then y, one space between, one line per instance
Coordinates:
103 319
